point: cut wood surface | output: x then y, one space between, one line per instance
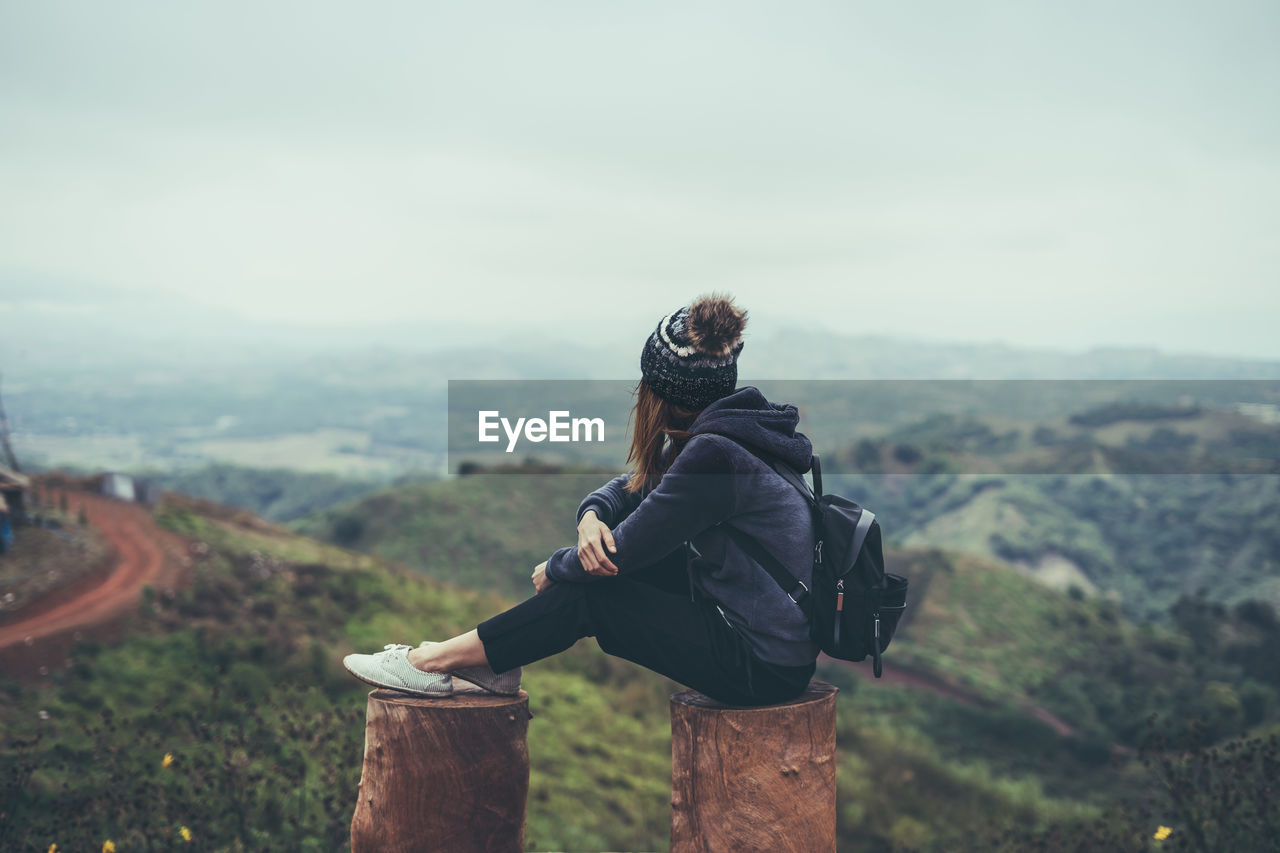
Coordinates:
449 774
754 778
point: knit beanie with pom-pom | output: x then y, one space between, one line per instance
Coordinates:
691 359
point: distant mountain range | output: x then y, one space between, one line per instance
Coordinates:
134 381
55 327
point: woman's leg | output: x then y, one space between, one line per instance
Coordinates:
684 640
668 574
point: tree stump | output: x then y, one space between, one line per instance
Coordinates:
754 778
443 774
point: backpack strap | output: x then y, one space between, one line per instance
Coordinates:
790 584
813 495
794 588
860 532
791 475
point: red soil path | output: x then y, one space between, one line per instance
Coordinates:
98 606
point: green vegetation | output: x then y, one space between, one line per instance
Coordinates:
1112 501
1202 797
990 633
1132 411
275 493
484 531
1146 540
1116 439
973 622
238 679
1016 643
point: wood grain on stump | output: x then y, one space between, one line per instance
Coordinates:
754 778
443 774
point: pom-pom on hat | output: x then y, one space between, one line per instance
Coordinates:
691 359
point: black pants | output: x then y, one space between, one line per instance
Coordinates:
646 617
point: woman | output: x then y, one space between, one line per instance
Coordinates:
702 613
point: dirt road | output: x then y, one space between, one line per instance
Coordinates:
145 554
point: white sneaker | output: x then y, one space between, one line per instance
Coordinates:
391 668
484 678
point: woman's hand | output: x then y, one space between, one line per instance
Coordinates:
540 579
594 536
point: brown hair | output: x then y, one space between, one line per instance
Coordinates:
655 421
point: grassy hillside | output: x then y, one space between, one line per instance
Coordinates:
1114 438
485 531
1141 503
276 494
976 622
238 679
1144 541
1012 647
994 633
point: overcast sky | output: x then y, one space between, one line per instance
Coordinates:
1065 175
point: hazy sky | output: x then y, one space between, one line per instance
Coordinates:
1066 174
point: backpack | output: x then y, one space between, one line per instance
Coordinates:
855 605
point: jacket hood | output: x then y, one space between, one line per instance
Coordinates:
749 419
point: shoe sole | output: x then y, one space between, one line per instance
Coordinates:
408 690
488 687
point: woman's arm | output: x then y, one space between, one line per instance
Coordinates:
697 492
598 513
611 502
595 545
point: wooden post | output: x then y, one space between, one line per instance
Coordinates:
754 778
443 774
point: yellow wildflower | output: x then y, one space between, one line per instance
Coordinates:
168 759
53 848
108 846
1162 832
185 833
